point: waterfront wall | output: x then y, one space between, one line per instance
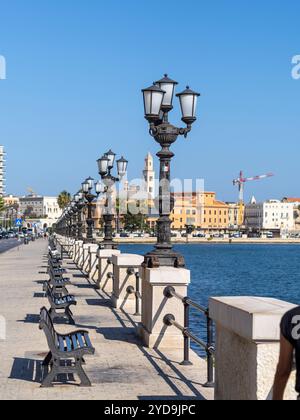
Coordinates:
247 347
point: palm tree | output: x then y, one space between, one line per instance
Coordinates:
2 204
64 199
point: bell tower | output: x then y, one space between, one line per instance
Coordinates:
149 176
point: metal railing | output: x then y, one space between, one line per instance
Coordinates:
208 346
136 291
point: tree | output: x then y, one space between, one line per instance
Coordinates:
2 205
64 199
29 213
134 222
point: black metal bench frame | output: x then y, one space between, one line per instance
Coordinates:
60 305
63 350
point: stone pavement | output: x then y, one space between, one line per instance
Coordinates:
121 368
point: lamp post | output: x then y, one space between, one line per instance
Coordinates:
105 166
68 222
158 102
87 187
79 200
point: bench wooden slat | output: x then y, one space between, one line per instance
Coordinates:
68 342
61 343
87 340
74 341
80 340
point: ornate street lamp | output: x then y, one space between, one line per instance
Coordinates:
105 166
79 200
87 187
158 102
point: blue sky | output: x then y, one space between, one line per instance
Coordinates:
75 69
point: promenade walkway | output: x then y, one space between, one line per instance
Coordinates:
121 368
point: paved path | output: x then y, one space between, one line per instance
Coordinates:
121 368
7 244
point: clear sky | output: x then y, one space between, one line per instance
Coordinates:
75 69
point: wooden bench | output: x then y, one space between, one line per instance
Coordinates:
66 355
60 305
56 272
58 286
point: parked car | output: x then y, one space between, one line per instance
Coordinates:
124 235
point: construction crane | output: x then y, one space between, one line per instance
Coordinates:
240 182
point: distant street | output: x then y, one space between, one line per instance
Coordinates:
7 244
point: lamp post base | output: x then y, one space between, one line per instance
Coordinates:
164 258
108 245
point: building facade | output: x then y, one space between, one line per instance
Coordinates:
201 210
273 215
40 207
2 171
11 201
296 204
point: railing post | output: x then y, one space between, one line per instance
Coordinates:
210 359
138 295
187 341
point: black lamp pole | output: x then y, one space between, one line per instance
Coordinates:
87 187
158 103
105 166
80 207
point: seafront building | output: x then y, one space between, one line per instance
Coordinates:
201 210
40 210
236 215
2 171
272 215
11 201
296 204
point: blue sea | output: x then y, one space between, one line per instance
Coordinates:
237 270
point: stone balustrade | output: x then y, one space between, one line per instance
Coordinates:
92 269
124 268
105 268
155 306
247 328
247 347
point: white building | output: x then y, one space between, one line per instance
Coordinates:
38 207
270 215
51 208
2 171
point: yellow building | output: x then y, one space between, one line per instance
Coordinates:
201 210
236 215
214 214
11 201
